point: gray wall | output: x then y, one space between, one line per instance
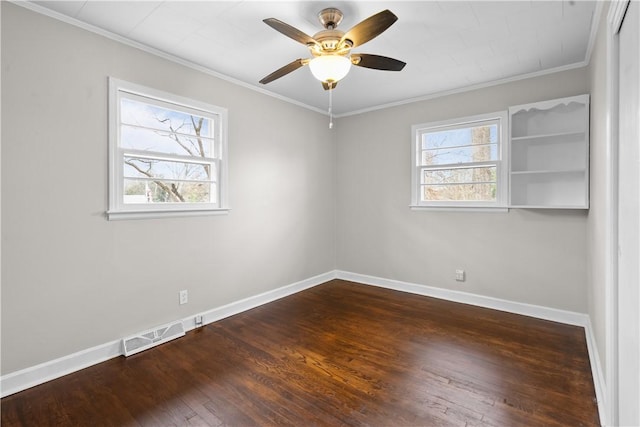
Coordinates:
304 201
70 278
531 256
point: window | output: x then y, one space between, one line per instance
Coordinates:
459 163
167 154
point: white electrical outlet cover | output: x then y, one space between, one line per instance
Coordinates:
184 296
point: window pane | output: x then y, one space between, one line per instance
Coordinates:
447 156
160 191
459 161
165 142
135 167
138 113
459 192
482 134
459 175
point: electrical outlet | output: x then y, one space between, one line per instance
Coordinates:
184 296
460 275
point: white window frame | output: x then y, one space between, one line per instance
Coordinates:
502 175
117 208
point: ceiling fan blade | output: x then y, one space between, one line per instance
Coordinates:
292 66
377 62
290 31
370 28
327 86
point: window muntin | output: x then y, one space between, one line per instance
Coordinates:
167 153
459 163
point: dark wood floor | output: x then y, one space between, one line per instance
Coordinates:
339 354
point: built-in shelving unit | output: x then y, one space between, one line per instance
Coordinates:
549 152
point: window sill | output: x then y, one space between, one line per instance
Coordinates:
493 209
124 215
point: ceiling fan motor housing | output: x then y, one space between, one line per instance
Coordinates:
330 41
330 17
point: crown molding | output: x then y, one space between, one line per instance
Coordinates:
170 57
469 88
157 52
595 23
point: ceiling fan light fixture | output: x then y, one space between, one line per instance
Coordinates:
330 68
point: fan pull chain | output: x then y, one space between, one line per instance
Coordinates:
331 106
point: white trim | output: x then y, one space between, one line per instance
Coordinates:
547 105
153 51
593 34
0 169
248 303
617 11
615 15
124 215
464 89
597 373
537 311
459 209
47 371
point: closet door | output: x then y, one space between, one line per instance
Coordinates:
629 218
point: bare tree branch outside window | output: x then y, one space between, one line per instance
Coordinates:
185 137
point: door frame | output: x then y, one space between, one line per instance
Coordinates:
615 18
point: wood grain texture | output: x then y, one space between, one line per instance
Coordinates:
339 354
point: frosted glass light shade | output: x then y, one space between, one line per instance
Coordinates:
330 68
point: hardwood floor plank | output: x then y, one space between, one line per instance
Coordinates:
339 354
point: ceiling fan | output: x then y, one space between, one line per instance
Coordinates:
331 48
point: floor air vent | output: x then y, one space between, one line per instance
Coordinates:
142 341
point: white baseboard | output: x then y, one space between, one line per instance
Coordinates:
598 374
540 312
236 307
35 375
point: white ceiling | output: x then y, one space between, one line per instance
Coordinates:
447 45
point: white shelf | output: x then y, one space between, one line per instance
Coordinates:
549 154
549 137
549 172
580 207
